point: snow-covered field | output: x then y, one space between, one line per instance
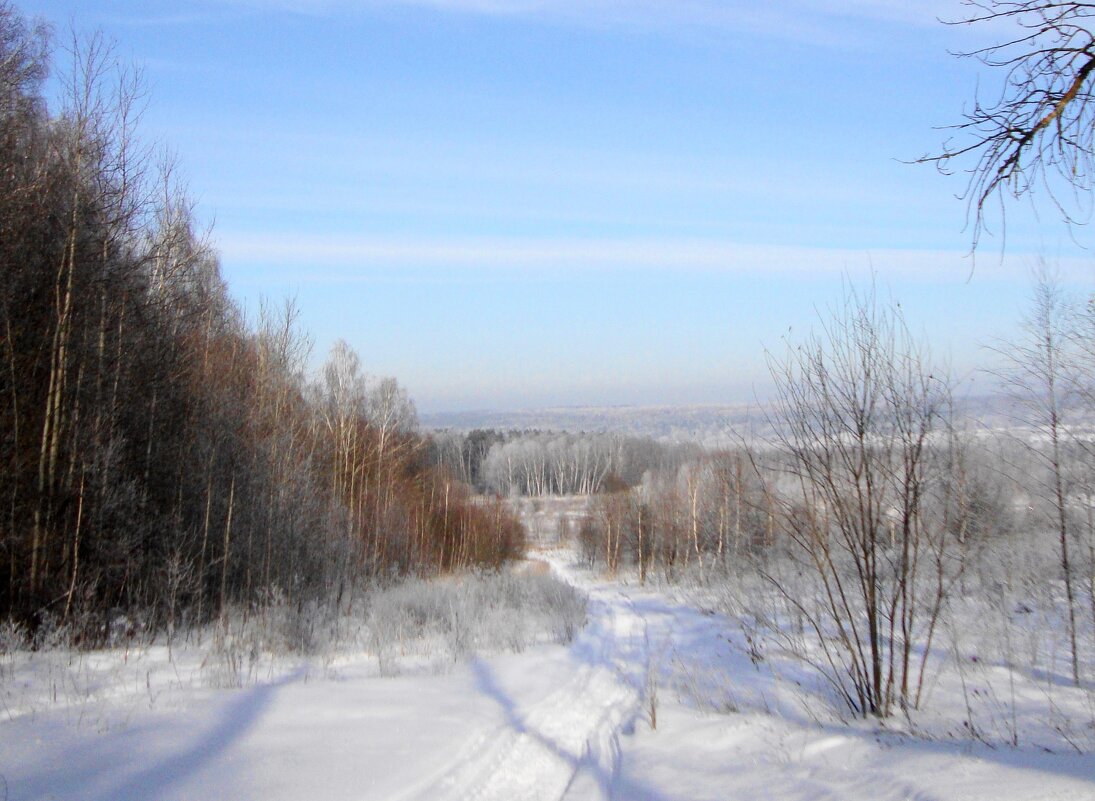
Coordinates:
653 699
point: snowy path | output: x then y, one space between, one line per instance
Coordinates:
565 744
588 737
541 725
552 723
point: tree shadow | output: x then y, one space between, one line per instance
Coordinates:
97 772
610 782
234 722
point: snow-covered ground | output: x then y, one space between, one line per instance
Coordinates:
653 699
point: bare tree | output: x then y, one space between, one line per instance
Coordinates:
857 410
1040 373
1038 132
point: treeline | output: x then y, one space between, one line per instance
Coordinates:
160 456
705 514
724 509
537 463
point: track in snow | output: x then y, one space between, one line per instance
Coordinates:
564 745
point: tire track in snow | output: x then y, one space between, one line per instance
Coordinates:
568 740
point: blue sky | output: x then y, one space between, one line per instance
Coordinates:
517 203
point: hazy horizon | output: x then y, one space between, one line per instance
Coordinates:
519 204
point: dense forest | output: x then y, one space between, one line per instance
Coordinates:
160 454
538 463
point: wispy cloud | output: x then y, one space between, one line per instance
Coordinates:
334 259
159 19
823 21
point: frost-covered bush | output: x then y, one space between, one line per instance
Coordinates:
471 612
52 634
13 637
565 604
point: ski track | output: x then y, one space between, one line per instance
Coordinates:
568 738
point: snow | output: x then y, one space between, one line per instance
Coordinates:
548 722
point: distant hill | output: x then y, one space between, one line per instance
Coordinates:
708 425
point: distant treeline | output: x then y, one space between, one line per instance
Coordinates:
538 463
160 456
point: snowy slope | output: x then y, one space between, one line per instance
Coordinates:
552 722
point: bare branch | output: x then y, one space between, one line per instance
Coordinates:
1040 132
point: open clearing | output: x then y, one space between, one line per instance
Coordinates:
551 722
